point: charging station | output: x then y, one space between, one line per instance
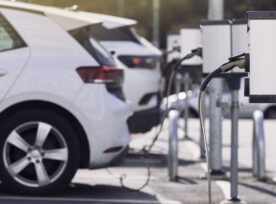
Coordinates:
216 43
239 39
191 69
222 39
262 40
173 43
190 39
238 46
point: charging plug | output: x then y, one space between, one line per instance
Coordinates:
230 65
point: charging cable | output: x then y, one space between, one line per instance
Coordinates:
238 61
195 52
147 149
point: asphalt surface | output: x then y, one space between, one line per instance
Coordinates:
103 186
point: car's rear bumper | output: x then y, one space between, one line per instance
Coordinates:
103 117
143 121
120 158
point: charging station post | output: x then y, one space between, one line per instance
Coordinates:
216 43
190 39
215 12
173 43
238 46
233 81
234 143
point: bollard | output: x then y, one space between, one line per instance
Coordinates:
258 146
173 145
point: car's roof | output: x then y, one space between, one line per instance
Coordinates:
110 22
66 19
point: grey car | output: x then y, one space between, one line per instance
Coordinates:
246 108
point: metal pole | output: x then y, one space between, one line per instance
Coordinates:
178 79
173 145
234 144
121 8
186 80
156 10
216 12
201 141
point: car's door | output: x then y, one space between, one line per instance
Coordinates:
14 54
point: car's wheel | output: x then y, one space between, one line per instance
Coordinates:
39 153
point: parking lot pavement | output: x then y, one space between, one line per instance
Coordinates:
103 186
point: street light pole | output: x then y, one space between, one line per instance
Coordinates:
216 10
121 8
155 31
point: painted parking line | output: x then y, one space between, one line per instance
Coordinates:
77 200
225 187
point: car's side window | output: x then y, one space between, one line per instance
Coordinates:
9 38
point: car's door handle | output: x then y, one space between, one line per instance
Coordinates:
3 72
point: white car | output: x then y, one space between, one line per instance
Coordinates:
246 109
141 62
62 106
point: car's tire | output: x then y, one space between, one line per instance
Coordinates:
39 153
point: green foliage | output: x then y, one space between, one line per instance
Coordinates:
173 13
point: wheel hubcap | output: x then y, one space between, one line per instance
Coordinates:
35 154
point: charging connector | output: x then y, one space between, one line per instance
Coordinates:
195 52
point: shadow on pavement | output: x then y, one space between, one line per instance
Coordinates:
260 189
241 169
153 160
184 180
81 193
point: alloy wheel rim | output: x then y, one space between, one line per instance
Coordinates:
35 154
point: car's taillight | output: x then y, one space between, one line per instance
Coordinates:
140 61
105 75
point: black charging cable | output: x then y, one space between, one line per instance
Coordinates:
147 148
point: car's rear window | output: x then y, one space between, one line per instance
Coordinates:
93 47
118 34
9 38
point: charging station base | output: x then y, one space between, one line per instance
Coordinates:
218 174
233 201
